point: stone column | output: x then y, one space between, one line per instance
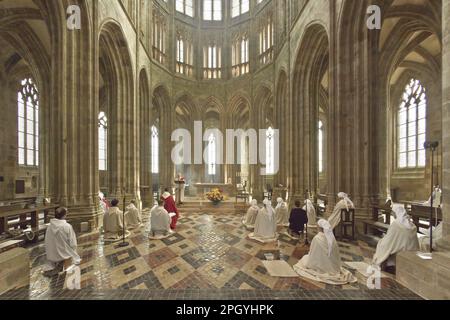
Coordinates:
446 115
72 103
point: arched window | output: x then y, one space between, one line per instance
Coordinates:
320 145
212 62
102 142
240 56
411 126
212 148
28 123
155 150
270 151
185 56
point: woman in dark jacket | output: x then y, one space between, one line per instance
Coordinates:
297 220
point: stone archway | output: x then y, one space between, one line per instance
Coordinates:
310 74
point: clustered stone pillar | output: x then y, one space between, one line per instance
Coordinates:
73 117
446 114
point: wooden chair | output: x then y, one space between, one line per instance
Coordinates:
242 194
347 221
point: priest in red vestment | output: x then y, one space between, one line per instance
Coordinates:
169 205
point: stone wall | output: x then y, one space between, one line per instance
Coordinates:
14 270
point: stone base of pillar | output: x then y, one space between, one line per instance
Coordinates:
79 215
429 279
444 244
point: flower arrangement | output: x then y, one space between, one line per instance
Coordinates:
215 196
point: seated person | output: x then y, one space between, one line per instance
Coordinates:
61 242
282 213
113 222
133 218
311 212
169 205
265 224
344 204
252 213
323 263
160 221
298 220
401 236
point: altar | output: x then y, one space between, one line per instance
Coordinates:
202 188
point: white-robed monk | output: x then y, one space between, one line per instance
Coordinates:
282 213
61 242
133 217
311 212
401 236
252 213
160 221
323 263
344 204
265 224
113 222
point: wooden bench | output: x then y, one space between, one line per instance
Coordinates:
10 244
383 227
348 221
25 218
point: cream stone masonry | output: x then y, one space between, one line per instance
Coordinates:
14 269
326 65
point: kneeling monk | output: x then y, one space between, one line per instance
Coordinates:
61 242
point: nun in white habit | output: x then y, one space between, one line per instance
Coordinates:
282 213
252 213
311 211
265 225
344 204
401 236
323 263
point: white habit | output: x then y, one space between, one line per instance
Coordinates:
265 225
311 211
401 236
61 242
424 240
323 263
113 224
344 204
160 222
252 213
282 213
133 217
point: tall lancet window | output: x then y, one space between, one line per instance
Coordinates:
412 126
28 123
212 148
155 150
270 151
102 142
320 145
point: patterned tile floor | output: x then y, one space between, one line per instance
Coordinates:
209 257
